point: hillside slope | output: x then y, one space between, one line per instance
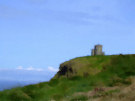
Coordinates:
83 66
90 78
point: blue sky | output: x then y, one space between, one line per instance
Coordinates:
40 34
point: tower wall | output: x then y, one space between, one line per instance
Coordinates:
92 52
97 50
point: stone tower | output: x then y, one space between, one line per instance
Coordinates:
97 50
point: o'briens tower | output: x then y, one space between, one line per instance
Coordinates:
97 50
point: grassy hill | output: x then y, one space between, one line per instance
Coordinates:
90 78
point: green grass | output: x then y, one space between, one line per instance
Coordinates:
79 98
109 71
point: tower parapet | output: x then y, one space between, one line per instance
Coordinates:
97 50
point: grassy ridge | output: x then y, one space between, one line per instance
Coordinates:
89 65
109 71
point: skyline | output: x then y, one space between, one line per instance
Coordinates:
38 34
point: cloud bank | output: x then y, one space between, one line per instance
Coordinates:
29 68
20 76
27 74
50 69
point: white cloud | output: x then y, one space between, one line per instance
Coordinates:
52 69
19 68
40 69
29 68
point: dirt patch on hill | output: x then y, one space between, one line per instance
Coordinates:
116 93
